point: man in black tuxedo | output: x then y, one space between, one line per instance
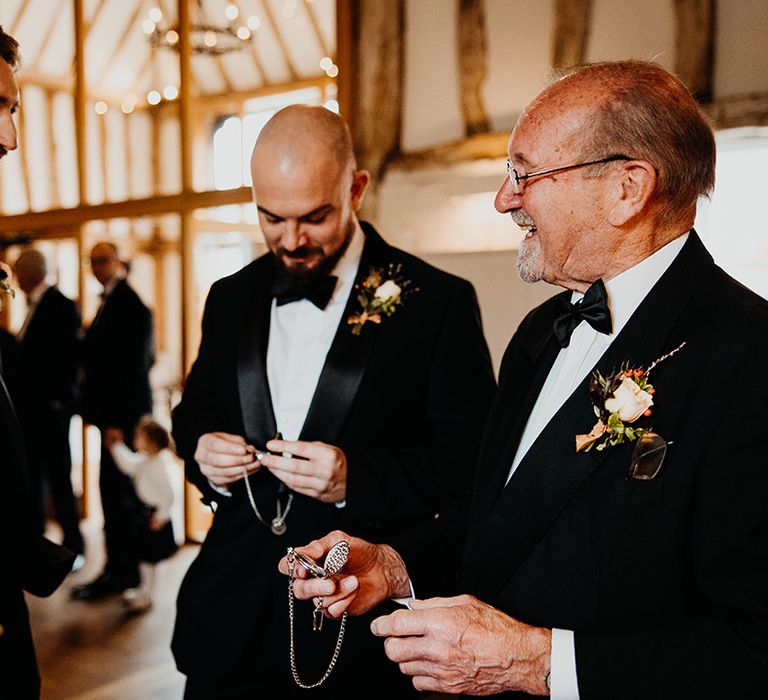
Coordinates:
50 341
30 562
639 567
381 415
119 353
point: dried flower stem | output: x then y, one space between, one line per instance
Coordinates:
665 357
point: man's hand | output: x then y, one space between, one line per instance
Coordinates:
223 456
313 468
373 573
461 645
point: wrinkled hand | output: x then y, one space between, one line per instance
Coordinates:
222 457
373 573
462 645
314 469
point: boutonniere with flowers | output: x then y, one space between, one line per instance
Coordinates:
5 287
619 400
379 294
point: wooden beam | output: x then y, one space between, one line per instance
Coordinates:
155 249
101 120
317 31
749 109
88 23
118 45
66 84
254 54
378 88
490 145
79 101
347 20
186 242
53 145
148 206
569 45
14 23
53 17
473 65
215 102
128 151
694 46
280 40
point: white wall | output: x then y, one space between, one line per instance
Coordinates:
504 298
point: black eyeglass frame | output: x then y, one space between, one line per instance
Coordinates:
518 181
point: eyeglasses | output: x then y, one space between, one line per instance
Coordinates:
648 456
518 177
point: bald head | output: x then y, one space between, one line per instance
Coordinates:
105 262
300 137
31 269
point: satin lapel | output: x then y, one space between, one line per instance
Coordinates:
551 472
253 388
347 358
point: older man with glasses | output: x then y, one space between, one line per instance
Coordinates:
617 543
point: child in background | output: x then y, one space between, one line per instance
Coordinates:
149 469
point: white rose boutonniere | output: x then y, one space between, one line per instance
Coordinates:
379 294
629 400
619 400
389 291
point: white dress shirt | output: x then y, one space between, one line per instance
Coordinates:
625 293
300 336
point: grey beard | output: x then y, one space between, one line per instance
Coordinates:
528 267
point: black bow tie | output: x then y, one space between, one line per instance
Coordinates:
593 309
318 292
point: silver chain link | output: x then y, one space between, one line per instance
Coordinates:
279 520
334 658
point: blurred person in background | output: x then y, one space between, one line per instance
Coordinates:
119 352
50 342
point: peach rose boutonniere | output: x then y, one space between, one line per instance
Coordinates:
619 400
380 294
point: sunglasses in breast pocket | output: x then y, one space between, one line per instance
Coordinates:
648 456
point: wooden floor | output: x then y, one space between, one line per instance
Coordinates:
95 651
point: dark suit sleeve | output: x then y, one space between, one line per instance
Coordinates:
197 413
433 466
721 649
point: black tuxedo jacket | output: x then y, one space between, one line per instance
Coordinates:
406 400
665 582
30 562
119 353
50 354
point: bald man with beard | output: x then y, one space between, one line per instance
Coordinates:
380 417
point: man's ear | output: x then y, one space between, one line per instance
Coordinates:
360 181
633 191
